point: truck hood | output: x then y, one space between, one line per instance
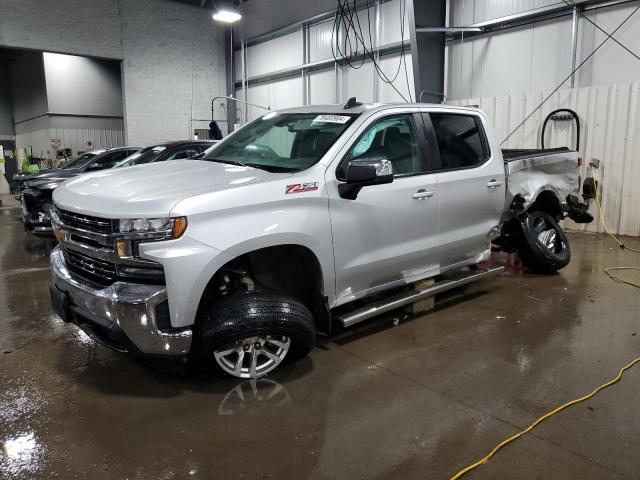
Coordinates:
152 190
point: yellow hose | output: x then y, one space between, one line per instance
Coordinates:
543 418
617 378
604 224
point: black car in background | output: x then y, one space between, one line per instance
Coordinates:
167 151
35 190
87 161
38 190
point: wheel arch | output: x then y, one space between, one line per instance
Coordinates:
292 269
547 201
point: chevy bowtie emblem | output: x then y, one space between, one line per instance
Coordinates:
301 187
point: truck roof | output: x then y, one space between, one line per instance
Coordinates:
365 107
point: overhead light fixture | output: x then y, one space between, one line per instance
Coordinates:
227 16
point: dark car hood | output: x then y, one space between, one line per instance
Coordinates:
51 172
55 176
23 176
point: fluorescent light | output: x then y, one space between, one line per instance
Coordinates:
227 16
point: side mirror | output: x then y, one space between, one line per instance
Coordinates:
94 166
365 172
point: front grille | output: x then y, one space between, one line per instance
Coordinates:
96 271
103 273
34 202
86 222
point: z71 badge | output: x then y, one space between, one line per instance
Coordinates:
301 187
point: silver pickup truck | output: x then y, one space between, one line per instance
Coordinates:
302 221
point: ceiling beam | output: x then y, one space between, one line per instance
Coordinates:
534 15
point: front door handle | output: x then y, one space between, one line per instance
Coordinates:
423 194
493 183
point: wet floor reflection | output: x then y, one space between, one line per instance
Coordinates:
22 456
412 399
253 396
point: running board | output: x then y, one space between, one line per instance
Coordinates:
406 298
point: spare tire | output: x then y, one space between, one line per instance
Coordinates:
543 246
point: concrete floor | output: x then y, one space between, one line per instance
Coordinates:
415 401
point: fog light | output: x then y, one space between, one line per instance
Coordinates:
59 234
123 248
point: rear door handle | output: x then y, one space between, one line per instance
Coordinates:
423 194
493 183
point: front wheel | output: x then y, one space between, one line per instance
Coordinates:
544 247
250 334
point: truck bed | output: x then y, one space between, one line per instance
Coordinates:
531 171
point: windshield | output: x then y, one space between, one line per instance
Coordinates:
145 155
79 161
281 142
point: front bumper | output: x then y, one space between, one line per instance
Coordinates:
36 221
40 229
121 316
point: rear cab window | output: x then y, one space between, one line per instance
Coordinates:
461 139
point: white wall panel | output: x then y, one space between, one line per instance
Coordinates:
285 93
537 56
611 64
75 138
276 95
551 53
403 82
515 61
38 140
481 10
390 31
322 85
320 41
610 132
273 55
357 83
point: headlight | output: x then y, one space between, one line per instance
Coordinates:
167 227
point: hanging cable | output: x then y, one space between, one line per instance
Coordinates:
346 51
627 18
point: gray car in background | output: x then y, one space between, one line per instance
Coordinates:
34 190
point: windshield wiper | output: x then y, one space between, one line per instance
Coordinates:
271 168
228 162
259 166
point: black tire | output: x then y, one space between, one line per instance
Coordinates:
249 314
535 255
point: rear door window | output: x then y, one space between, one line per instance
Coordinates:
461 140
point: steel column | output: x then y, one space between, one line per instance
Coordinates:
574 45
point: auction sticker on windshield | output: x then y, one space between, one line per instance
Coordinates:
331 119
